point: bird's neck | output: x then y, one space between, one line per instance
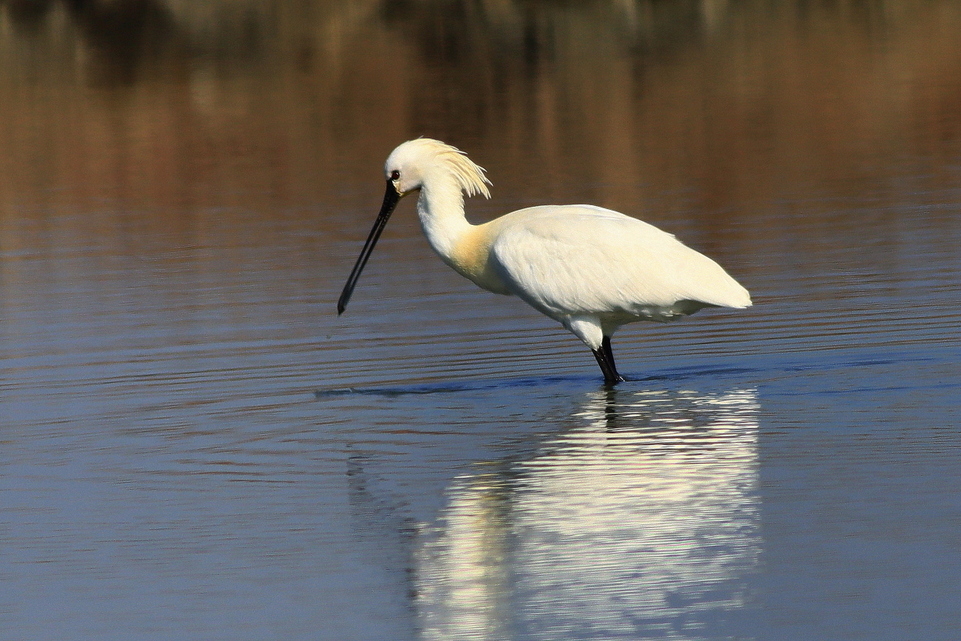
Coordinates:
441 212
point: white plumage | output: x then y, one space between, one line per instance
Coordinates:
589 268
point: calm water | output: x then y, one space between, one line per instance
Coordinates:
195 446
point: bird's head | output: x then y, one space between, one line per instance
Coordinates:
410 167
413 163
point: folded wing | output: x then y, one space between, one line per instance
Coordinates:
585 260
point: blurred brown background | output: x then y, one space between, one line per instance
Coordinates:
723 107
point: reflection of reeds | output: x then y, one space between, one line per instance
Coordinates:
712 107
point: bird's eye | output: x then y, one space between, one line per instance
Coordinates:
394 175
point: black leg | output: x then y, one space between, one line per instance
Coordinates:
605 358
606 346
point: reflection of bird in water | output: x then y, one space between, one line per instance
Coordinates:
591 269
640 522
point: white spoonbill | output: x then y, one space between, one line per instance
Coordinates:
590 269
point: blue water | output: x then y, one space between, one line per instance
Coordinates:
789 471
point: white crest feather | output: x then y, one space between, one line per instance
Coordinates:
470 176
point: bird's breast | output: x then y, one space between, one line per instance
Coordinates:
471 258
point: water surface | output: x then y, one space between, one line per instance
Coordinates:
196 446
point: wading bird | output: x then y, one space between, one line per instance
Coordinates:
590 269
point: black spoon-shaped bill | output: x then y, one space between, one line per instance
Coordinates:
390 201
